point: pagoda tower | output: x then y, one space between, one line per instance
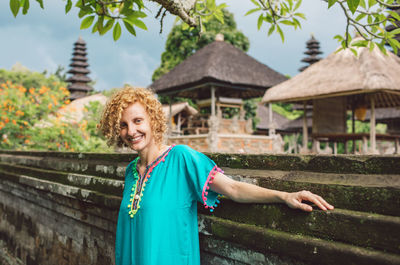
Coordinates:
312 52
78 82
392 27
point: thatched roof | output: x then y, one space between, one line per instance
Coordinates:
179 107
235 73
279 121
343 74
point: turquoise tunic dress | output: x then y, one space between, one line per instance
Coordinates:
157 221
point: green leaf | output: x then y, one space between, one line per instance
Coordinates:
68 6
360 16
85 10
280 33
117 31
297 5
130 28
25 7
331 3
371 46
260 21
14 6
297 22
362 4
271 29
353 4
41 3
100 22
300 15
108 25
369 19
354 51
395 31
394 15
95 28
338 37
87 22
287 22
393 45
371 3
256 3
132 19
381 47
360 43
252 11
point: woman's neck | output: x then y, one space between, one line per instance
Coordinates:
150 154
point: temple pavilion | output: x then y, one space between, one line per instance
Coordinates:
218 78
339 83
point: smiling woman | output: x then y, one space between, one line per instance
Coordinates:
157 220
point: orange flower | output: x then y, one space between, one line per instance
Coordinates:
25 122
14 122
19 113
6 120
66 145
49 106
32 90
27 141
20 126
22 89
43 90
67 102
62 131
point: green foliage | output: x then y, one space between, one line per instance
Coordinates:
28 79
286 110
183 42
30 119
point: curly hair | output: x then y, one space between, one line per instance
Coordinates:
110 120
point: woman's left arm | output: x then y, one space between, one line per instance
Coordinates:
248 193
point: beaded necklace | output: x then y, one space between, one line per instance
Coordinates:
139 182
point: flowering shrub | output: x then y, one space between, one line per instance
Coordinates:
30 121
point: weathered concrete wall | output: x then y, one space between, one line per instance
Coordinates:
61 208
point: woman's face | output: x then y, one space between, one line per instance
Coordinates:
135 128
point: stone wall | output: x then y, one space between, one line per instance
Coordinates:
61 208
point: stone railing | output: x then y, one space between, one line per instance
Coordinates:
61 208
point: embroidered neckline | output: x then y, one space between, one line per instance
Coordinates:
139 182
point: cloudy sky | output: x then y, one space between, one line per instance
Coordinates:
43 39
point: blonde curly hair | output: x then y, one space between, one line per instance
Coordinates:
110 120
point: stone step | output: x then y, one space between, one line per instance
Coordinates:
80 165
358 228
309 250
15 195
366 193
99 184
85 195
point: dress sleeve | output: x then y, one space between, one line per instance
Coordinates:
201 171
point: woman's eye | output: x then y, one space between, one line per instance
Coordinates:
138 120
122 125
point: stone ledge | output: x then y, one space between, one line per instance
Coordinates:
303 248
104 185
357 228
315 163
98 198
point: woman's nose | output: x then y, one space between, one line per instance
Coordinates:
131 130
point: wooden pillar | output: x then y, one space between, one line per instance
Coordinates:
305 129
353 127
212 101
372 135
170 116
179 123
271 129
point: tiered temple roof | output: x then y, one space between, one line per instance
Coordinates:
312 52
79 80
